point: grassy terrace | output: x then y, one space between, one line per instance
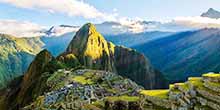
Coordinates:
183 86
82 80
156 93
198 83
123 98
214 84
211 75
87 78
195 81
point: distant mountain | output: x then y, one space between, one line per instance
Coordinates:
133 39
15 56
185 54
56 31
211 13
17 53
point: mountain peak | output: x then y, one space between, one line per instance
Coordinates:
89 28
87 39
211 13
211 9
91 47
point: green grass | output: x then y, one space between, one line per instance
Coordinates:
156 93
99 104
83 80
184 86
194 78
195 81
123 98
212 75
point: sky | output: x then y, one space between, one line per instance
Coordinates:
78 12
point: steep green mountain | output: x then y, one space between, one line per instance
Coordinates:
94 52
88 71
185 54
15 56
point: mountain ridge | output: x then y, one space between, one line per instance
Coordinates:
183 54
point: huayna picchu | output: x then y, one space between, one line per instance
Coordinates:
91 74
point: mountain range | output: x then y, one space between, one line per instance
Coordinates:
87 50
185 54
93 74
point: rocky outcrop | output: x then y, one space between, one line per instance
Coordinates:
131 64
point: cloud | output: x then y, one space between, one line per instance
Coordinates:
21 29
197 22
68 7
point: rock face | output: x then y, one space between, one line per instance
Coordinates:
31 84
94 52
131 64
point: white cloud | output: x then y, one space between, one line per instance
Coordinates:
68 7
134 25
198 22
20 29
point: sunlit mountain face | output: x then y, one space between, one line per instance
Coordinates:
90 55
